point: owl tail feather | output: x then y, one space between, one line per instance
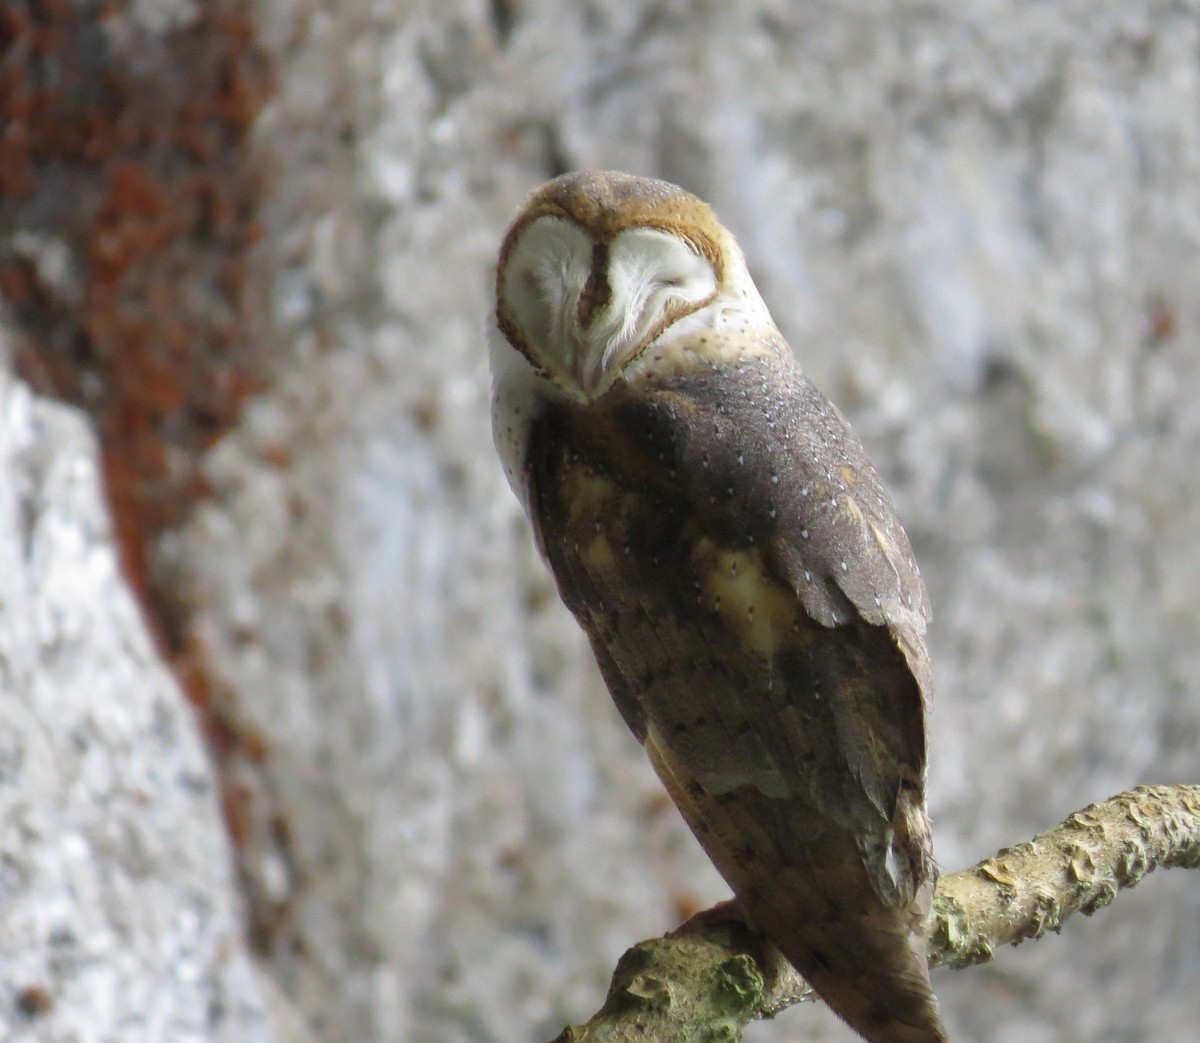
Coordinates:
863 960
825 900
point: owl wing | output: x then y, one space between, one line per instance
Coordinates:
750 573
755 611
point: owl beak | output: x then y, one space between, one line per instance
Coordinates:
588 366
591 354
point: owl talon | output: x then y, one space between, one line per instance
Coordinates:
729 911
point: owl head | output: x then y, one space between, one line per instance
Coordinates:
599 266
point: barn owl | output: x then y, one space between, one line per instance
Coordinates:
750 597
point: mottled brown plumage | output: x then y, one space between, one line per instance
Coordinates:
752 601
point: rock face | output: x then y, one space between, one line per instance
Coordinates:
117 915
980 230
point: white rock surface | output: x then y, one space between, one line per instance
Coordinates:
979 225
118 912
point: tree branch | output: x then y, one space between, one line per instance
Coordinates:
709 983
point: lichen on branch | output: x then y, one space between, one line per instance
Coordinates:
708 984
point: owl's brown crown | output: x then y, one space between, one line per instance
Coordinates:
607 202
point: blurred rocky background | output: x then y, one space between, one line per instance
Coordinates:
296 741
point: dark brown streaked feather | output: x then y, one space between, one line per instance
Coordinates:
756 613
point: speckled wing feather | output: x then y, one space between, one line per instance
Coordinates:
756 613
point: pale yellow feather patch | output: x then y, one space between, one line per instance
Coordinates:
737 587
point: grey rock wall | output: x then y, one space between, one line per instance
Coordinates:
979 226
118 919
